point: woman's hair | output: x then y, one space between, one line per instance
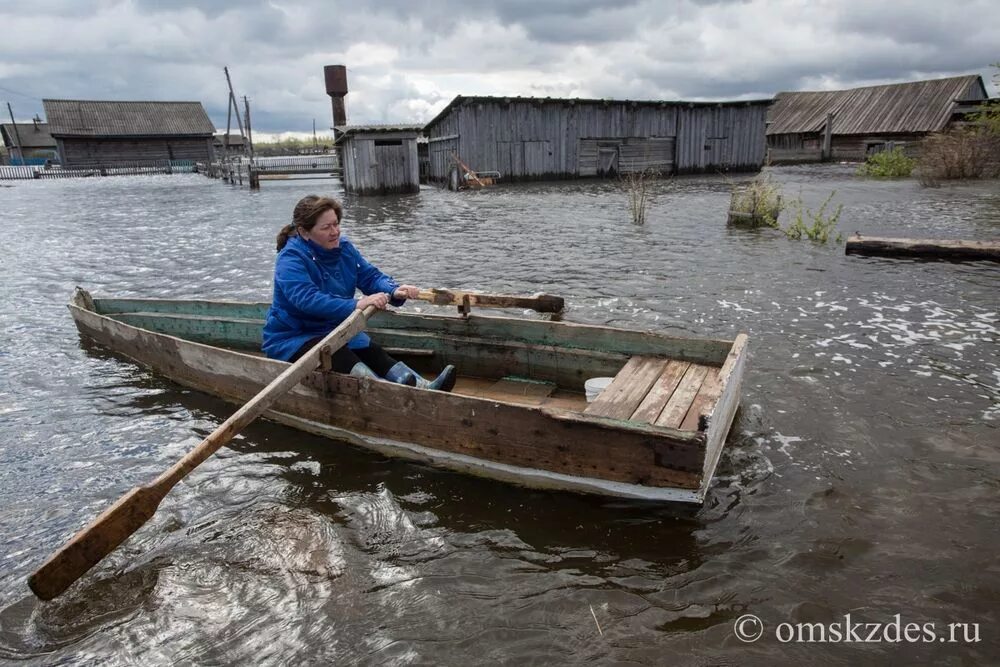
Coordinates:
305 215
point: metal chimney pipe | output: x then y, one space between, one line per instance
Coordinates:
336 88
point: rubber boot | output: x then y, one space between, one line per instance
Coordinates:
361 370
445 381
401 374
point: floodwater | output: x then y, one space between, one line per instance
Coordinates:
861 476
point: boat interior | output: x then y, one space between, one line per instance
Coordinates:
655 379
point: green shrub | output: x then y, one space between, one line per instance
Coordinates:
888 164
816 226
757 203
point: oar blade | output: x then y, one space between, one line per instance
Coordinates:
94 542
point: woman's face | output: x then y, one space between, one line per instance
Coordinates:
326 231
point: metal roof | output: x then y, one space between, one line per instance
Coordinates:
570 101
916 106
31 135
90 118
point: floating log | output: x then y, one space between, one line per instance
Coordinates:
954 249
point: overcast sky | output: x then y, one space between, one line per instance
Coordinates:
406 62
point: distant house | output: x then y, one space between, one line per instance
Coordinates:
89 133
528 138
33 138
864 120
236 143
379 159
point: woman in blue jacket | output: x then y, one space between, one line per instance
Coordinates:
315 278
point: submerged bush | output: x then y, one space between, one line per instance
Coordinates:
888 164
815 226
637 187
757 203
960 153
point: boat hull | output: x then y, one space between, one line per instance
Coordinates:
540 447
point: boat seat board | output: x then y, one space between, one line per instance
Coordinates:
680 401
660 391
622 397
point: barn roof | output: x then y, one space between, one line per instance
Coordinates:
90 118
30 135
568 101
916 106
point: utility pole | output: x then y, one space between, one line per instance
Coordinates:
233 105
246 105
17 134
254 174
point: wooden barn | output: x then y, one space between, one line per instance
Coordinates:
92 133
379 159
33 140
852 124
542 138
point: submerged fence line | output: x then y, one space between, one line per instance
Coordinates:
235 170
81 170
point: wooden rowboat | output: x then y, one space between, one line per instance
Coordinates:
518 411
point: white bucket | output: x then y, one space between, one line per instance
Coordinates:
594 386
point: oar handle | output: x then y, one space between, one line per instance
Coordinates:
542 303
136 507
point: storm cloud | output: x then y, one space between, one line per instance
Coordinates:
405 64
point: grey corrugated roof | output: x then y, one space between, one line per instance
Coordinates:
31 135
562 101
376 128
916 106
90 118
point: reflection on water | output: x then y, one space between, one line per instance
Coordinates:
861 475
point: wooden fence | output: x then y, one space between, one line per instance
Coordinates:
237 170
11 173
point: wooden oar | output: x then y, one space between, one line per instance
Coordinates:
542 303
137 506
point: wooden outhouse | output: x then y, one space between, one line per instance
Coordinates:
379 159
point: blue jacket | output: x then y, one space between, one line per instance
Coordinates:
314 292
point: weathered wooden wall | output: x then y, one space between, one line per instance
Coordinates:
380 163
96 151
538 139
792 148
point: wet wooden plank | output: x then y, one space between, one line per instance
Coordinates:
661 391
520 391
679 404
566 400
629 387
704 402
467 385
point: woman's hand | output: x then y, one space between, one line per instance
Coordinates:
380 300
406 292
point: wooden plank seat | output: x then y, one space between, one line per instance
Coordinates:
660 391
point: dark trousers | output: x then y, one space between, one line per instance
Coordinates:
344 359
